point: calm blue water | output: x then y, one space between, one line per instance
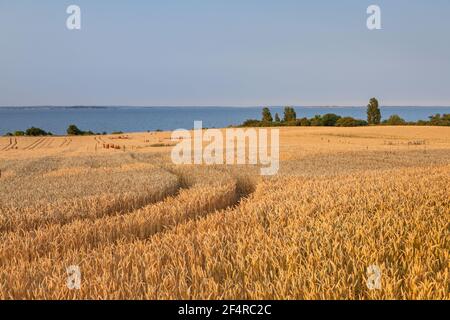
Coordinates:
131 119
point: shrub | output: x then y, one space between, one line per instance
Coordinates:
350 122
438 120
303 122
395 120
422 123
291 123
19 133
251 123
316 121
330 119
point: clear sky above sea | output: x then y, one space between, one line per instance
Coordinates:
228 52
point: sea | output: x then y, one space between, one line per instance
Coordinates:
139 119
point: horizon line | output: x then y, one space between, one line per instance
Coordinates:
220 106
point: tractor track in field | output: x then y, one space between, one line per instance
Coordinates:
6 146
190 202
48 143
66 142
34 144
32 218
39 144
12 145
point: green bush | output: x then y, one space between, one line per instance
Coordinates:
303 122
350 122
438 120
330 119
251 123
394 120
316 121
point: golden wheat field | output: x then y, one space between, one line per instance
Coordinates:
140 227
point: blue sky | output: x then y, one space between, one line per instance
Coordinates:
228 52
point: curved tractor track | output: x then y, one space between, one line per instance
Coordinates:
63 211
204 191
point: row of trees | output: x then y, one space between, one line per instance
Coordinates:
436 120
72 130
331 119
289 115
327 120
32 132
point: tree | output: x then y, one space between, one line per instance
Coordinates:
277 118
73 130
35 132
289 114
373 112
395 120
266 115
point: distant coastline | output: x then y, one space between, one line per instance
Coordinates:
56 119
203 107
